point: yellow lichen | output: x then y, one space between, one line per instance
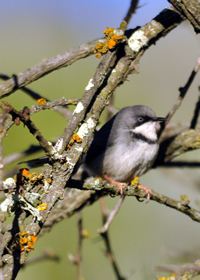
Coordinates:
85 233
111 40
42 206
71 102
41 101
26 241
172 277
135 181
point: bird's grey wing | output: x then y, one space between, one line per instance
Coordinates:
99 143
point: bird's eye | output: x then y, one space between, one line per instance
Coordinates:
140 119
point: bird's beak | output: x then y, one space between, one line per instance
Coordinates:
159 119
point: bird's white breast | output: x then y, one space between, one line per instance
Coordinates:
124 162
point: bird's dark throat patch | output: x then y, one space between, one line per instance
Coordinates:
140 136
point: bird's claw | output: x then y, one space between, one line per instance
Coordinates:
147 190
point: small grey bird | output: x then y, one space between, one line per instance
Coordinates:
125 147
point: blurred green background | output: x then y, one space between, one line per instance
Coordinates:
142 234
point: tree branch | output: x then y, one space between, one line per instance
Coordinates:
190 9
46 67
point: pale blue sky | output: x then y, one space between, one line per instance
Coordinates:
89 16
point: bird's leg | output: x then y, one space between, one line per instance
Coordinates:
113 182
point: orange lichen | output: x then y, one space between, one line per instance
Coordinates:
111 44
26 241
75 138
109 31
41 101
68 147
42 206
112 39
98 56
24 174
117 38
25 171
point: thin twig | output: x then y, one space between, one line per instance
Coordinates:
196 113
46 255
111 216
2 220
183 91
3 117
80 240
24 116
191 269
105 236
131 10
50 105
58 105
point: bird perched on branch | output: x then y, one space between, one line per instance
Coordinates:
125 147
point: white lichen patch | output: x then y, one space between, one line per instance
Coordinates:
12 200
54 151
9 183
46 186
90 85
119 32
90 123
8 204
71 164
31 196
79 149
59 144
98 183
28 207
84 129
78 108
138 40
